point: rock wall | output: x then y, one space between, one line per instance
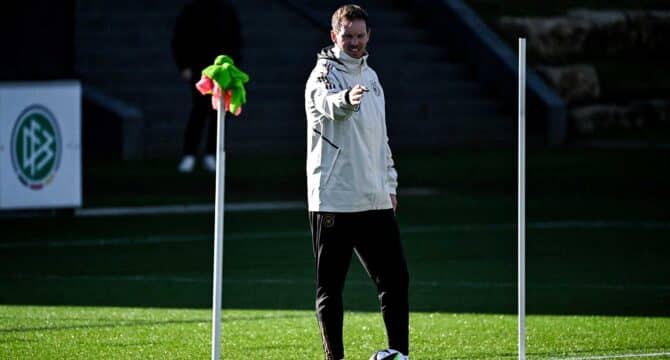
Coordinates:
560 43
583 31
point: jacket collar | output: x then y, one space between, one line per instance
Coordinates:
334 53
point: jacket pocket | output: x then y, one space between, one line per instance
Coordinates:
331 168
327 144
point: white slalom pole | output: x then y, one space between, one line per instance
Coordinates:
522 200
218 230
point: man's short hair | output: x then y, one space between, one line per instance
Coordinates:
349 12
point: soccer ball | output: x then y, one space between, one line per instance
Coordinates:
388 354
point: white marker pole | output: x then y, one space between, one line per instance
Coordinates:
521 226
218 230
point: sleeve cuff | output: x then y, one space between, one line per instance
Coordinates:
345 101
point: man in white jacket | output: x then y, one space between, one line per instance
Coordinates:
351 183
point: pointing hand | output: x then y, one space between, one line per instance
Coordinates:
356 94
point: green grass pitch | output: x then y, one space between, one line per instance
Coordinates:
134 333
140 287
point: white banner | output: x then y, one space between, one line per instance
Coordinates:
40 145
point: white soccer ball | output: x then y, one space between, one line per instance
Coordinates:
388 354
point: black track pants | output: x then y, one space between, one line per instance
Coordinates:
375 238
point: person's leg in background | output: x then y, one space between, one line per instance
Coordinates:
200 107
209 160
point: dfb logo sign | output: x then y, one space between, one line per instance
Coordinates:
36 147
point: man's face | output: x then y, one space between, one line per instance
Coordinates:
352 37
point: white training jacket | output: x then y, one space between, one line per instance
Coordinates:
349 162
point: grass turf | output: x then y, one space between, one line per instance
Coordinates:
132 333
567 172
591 289
140 262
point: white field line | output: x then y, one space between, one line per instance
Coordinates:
547 225
191 208
298 205
161 239
151 240
617 356
483 285
114 241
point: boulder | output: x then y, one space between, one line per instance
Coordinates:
550 37
591 119
574 83
654 113
643 114
612 32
